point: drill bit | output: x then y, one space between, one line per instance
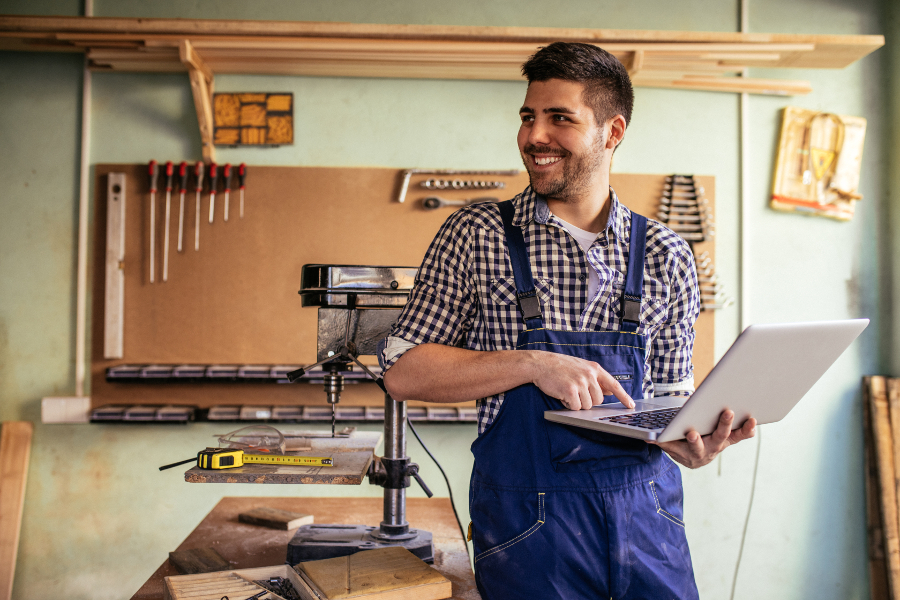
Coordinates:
332 420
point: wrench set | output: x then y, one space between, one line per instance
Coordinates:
684 210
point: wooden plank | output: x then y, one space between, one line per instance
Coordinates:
884 454
382 574
114 292
202 85
198 560
274 518
15 450
878 575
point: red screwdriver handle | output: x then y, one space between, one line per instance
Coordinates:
242 174
154 173
213 178
169 172
198 175
183 173
228 174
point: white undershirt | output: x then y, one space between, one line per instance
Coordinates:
584 239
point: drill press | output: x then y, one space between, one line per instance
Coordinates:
357 308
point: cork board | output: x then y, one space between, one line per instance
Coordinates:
235 301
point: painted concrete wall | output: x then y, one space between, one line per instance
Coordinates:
99 518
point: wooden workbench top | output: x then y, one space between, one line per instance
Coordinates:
246 546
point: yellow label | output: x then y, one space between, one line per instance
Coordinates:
821 160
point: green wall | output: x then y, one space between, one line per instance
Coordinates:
96 525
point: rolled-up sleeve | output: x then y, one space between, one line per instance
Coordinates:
671 369
441 304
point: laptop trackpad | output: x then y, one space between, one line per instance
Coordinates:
611 410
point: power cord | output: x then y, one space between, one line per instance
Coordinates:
737 567
449 489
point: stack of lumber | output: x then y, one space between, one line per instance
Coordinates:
672 59
881 402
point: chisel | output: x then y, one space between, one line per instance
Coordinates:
183 173
198 175
213 183
227 177
242 176
154 172
169 173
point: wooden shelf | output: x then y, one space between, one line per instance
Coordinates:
664 59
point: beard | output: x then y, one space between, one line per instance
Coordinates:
575 179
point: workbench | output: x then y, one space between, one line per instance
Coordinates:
246 546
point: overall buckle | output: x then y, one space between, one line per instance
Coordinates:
530 305
631 309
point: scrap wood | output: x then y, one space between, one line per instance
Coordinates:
878 575
15 450
884 453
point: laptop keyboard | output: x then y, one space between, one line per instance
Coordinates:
650 419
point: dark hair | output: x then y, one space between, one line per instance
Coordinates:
607 87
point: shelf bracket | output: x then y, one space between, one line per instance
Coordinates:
202 85
637 62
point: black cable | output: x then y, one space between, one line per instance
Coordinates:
449 489
737 567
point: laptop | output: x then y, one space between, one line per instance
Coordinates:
764 374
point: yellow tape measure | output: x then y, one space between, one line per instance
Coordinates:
226 458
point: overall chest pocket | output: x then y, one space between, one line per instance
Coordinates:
575 449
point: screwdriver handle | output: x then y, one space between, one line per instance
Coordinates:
198 175
169 172
154 173
228 174
183 173
242 174
213 178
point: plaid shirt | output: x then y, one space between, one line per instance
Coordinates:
465 292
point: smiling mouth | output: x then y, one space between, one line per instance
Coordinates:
546 160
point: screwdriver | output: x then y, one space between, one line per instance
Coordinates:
169 173
153 175
198 175
227 175
242 175
213 184
183 173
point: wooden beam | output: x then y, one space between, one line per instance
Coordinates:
202 88
637 62
15 450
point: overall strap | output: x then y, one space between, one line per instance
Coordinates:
634 278
529 304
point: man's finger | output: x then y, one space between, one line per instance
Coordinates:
747 431
585 397
723 429
695 444
608 382
596 393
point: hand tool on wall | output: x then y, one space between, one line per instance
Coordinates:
242 177
408 173
154 173
183 173
228 176
461 184
198 176
169 172
213 184
433 202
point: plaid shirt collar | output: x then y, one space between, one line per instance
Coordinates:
533 207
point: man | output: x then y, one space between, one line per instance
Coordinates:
557 299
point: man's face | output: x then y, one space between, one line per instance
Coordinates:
562 145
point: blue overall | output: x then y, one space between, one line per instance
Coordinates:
564 512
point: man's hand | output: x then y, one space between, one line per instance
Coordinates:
695 451
579 384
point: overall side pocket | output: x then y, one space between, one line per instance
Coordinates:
491 530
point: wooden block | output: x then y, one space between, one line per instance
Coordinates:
227 110
15 450
227 135
382 574
274 518
279 102
281 130
247 98
253 115
878 575
253 135
198 560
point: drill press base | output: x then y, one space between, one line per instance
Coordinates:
316 542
